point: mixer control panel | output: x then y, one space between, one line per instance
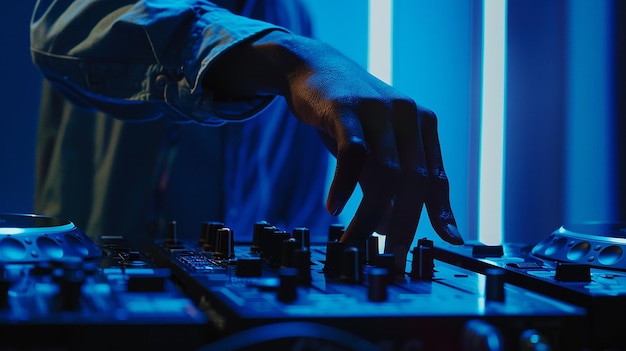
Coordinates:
280 289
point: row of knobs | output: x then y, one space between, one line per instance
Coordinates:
290 253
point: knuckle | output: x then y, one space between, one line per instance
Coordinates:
439 175
418 175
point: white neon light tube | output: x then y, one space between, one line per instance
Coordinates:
491 211
380 43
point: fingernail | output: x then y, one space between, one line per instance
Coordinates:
454 236
338 209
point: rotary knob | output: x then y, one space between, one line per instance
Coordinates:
302 261
257 237
208 235
494 284
335 232
378 281
224 246
422 265
287 290
350 266
303 235
332 267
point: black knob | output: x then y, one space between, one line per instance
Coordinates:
172 236
288 247
377 279
387 261
350 266
335 231
224 245
303 235
494 284
257 234
287 290
422 265
334 250
267 234
275 247
208 235
302 261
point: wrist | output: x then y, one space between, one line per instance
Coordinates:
259 67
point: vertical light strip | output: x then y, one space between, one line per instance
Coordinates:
380 51
380 39
491 213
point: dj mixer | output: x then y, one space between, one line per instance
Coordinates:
282 292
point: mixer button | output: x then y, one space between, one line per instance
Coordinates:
572 272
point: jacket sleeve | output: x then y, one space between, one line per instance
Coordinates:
141 60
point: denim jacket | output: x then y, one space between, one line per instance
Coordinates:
140 60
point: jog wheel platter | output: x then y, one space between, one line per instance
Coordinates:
28 238
598 244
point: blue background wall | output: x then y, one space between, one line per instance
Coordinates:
19 96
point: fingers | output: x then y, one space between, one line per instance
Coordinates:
348 146
378 174
413 182
395 155
438 198
375 202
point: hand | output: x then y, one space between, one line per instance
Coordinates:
381 138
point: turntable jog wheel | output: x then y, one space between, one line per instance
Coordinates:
597 244
26 238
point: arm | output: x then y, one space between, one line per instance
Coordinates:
195 62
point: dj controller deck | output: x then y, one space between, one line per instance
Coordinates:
59 290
